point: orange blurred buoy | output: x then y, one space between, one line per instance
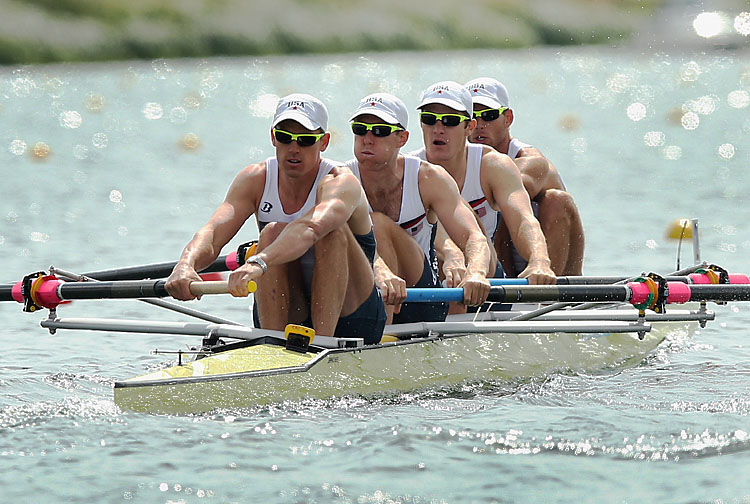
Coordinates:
40 151
190 141
569 122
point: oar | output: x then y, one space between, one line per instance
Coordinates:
49 292
636 293
160 270
229 262
692 278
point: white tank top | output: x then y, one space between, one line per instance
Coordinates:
515 147
412 216
271 209
472 189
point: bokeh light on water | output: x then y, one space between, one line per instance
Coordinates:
639 139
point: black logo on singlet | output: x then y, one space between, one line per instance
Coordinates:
266 207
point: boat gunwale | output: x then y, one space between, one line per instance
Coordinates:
321 353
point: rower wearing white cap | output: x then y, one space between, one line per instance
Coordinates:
488 180
407 196
316 246
552 203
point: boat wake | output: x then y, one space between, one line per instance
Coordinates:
72 407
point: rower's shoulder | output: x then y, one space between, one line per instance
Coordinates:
530 151
342 171
255 169
491 157
429 171
435 181
342 177
252 175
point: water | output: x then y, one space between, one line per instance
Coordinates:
139 155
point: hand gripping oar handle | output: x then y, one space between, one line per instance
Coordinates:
49 292
219 287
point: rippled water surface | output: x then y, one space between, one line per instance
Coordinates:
118 164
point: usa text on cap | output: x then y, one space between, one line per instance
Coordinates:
449 93
302 108
489 92
385 106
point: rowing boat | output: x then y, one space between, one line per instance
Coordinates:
236 365
582 324
261 369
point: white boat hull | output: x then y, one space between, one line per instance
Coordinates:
399 366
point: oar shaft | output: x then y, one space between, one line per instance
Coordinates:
692 278
229 262
633 292
719 292
160 270
6 292
527 293
119 289
49 292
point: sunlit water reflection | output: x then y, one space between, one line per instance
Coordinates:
117 164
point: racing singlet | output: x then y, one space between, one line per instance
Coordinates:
515 146
472 189
271 209
412 217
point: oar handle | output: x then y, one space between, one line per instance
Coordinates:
217 287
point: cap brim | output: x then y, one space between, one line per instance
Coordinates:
455 105
296 116
382 114
487 101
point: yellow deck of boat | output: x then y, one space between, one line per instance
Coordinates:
241 360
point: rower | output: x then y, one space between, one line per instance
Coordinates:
553 205
407 196
487 179
316 247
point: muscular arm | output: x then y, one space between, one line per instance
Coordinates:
440 194
501 179
537 173
339 200
451 256
240 203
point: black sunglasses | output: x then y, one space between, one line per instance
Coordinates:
489 114
379 130
303 139
430 118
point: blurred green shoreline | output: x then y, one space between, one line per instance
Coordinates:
47 31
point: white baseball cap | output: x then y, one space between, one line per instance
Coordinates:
488 91
303 108
449 93
385 106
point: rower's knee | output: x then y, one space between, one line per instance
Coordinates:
380 219
383 226
335 240
557 206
